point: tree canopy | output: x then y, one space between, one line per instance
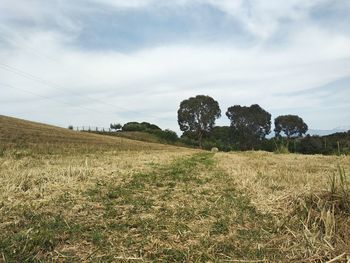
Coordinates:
249 125
198 115
115 126
290 125
137 126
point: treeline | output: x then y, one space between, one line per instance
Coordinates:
248 130
337 143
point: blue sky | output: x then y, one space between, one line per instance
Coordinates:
95 62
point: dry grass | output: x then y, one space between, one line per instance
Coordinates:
22 138
140 136
311 216
103 199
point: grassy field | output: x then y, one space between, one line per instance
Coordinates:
138 136
75 197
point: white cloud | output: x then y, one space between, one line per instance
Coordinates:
260 17
152 81
125 3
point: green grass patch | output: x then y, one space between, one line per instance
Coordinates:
181 212
36 236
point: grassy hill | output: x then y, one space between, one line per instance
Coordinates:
41 138
67 196
134 135
143 136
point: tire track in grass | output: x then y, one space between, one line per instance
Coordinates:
188 211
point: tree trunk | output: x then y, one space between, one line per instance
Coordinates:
200 138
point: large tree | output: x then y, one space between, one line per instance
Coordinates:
197 115
249 125
290 125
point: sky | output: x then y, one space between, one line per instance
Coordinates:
96 62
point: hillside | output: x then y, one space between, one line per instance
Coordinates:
107 199
41 138
133 135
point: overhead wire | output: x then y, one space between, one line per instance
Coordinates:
55 86
60 88
47 98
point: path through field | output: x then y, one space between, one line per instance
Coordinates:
187 210
76 197
175 208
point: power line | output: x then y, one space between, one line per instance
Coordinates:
25 46
48 98
60 88
54 85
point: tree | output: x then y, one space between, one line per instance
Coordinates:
290 125
150 126
116 126
249 125
219 137
137 126
198 115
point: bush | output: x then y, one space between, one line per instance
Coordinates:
208 145
267 145
189 141
150 126
133 126
222 146
281 149
136 126
167 135
115 126
311 145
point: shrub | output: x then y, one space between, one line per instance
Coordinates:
311 145
136 126
167 135
281 149
189 141
116 126
133 126
280 146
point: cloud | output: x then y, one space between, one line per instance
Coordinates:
125 4
259 17
81 85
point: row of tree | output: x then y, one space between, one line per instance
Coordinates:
248 128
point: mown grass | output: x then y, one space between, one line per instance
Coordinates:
307 197
20 138
169 214
97 199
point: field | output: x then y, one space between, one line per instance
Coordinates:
75 197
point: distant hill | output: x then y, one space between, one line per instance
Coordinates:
328 132
41 138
